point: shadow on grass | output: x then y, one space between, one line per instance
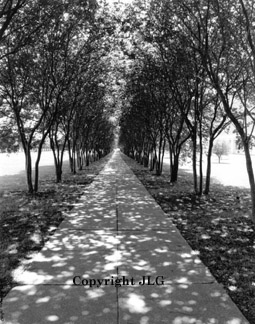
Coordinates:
26 221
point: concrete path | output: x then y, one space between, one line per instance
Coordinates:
92 269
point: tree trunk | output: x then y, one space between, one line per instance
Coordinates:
200 160
58 155
87 157
59 171
94 155
194 161
140 157
251 176
162 156
70 156
174 168
39 153
73 158
79 158
208 169
146 156
159 159
28 158
153 160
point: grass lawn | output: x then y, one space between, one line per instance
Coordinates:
217 226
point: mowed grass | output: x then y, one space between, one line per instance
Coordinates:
218 227
12 169
26 222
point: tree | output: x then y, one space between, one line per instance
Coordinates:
8 10
220 148
34 78
9 138
190 111
220 32
216 122
70 101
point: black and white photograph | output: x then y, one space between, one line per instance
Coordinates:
127 156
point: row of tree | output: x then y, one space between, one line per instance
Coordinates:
192 74
53 57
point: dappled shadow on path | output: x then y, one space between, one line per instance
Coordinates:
181 290
178 289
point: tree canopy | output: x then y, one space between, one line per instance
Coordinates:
162 74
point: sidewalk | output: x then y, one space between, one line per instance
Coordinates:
114 238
